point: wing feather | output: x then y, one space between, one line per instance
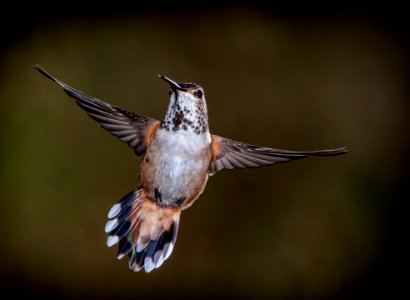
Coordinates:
229 154
128 127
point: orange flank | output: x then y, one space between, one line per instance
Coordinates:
215 147
150 132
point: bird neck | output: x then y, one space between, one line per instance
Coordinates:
185 119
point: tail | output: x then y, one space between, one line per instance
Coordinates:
144 230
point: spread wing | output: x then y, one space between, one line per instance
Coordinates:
133 129
229 154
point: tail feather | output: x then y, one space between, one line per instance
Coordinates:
123 204
145 231
124 247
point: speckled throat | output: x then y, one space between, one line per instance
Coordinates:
185 114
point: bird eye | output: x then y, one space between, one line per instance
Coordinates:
199 94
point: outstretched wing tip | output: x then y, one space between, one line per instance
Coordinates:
343 150
44 72
331 152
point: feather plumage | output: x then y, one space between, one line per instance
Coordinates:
127 126
145 231
230 154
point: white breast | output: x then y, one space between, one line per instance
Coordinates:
179 163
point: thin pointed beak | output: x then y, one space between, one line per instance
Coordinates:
172 83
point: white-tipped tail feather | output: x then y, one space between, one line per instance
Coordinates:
145 231
112 240
114 211
111 224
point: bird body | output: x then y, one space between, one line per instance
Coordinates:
175 168
179 156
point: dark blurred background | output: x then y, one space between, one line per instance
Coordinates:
292 76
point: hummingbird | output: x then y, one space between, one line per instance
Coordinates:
179 155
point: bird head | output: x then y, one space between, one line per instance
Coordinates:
187 109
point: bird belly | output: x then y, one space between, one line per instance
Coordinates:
174 171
